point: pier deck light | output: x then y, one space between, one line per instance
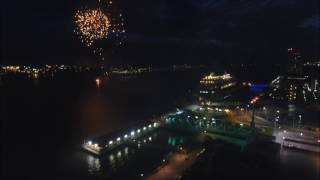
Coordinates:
110 142
118 139
132 133
125 136
89 142
138 131
144 128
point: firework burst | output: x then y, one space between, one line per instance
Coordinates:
91 25
100 27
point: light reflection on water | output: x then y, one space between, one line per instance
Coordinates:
93 164
125 156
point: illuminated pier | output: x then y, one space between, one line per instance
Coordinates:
178 121
111 141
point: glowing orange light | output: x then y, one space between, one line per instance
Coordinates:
98 82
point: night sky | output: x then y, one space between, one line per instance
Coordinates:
163 32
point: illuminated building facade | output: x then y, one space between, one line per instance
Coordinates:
295 89
300 85
215 87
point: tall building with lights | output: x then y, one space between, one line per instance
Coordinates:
300 85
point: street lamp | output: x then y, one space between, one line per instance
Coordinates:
275 121
300 121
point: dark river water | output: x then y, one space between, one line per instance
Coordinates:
44 121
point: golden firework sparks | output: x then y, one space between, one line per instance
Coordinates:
99 27
91 25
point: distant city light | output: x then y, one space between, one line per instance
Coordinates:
98 82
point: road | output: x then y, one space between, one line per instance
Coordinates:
284 135
174 166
